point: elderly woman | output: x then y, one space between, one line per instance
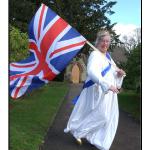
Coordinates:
95 115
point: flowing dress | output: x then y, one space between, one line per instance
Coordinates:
95 114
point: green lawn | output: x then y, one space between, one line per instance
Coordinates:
131 103
31 116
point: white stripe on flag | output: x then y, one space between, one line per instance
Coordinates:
69 42
13 81
43 20
48 28
40 75
23 70
53 46
23 89
36 22
53 69
18 84
66 51
23 64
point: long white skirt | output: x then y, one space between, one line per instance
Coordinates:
95 117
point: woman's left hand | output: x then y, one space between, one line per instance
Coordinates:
120 73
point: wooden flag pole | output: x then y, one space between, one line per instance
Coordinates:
94 48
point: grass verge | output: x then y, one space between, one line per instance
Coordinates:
130 102
31 116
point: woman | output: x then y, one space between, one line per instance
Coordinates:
95 115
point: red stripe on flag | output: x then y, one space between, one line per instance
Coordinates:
42 66
67 47
34 47
18 88
40 21
22 66
51 35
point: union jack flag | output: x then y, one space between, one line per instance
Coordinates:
52 45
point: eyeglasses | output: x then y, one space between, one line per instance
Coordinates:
105 41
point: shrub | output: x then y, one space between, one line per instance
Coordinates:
133 70
18 44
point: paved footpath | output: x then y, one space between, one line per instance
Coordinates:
128 135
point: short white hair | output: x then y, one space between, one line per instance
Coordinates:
100 35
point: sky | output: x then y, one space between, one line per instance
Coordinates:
127 16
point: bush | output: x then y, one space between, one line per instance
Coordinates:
18 44
133 70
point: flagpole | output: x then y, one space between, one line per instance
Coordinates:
94 48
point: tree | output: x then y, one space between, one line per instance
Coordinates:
130 42
133 69
18 44
87 16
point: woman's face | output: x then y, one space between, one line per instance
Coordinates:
104 43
